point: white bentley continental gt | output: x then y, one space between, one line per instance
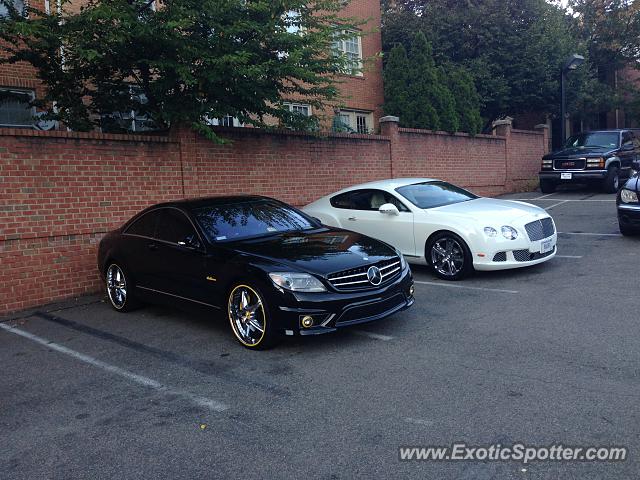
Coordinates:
443 226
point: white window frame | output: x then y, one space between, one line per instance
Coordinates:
341 47
351 117
21 91
293 106
224 122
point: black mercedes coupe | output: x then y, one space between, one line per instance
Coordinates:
271 267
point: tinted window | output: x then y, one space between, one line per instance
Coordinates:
594 139
145 225
627 138
434 194
366 200
249 219
174 226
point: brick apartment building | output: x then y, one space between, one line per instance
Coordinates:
358 109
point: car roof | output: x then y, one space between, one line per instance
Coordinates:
389 184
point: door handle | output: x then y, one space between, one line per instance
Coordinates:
353 219
152 247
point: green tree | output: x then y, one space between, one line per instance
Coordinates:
423 81
397 93
466 97
187 62
513 49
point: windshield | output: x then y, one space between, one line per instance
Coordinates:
434 194
255 218
594 139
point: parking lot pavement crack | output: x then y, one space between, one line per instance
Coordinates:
206 368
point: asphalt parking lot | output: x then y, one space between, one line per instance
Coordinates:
541 356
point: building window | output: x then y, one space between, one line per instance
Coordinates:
16 109
19 5
352 121
299 108
130 120
226 121
351 48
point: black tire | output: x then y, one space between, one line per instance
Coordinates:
612 180
242 329
547 186
626 231
453 245
120 288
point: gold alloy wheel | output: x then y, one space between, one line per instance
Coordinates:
247 315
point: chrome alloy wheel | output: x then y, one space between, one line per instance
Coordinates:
447 256
247 315
116 286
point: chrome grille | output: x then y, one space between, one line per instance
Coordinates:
569 163
527 256
540 229
356 278
500 257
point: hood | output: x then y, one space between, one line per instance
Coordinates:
491 210
319 251
580 152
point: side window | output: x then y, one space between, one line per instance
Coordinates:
366 200
175 226
145 225
627 138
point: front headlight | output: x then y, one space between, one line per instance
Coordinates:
297 282
509 233
490 231
403 262
627 196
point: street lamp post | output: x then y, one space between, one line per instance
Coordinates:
573 62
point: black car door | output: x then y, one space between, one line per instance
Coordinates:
181 260
140 248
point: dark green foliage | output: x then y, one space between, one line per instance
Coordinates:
513 49
397 95
191 60
467 100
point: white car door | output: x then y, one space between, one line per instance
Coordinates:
358 210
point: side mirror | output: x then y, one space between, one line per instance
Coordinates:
191 242
389 209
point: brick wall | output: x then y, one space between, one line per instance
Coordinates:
61 191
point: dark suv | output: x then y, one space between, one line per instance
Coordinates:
603 156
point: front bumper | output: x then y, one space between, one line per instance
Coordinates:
333 310
502 254
629 215
576 175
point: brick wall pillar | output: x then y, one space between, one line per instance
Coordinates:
544 128
390 127
502 128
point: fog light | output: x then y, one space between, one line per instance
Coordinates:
411 290
307 321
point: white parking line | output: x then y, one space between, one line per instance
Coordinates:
592 234
375 336
133 377
455 285
555 205
568 256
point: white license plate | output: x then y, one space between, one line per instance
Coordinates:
546 245
566 176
